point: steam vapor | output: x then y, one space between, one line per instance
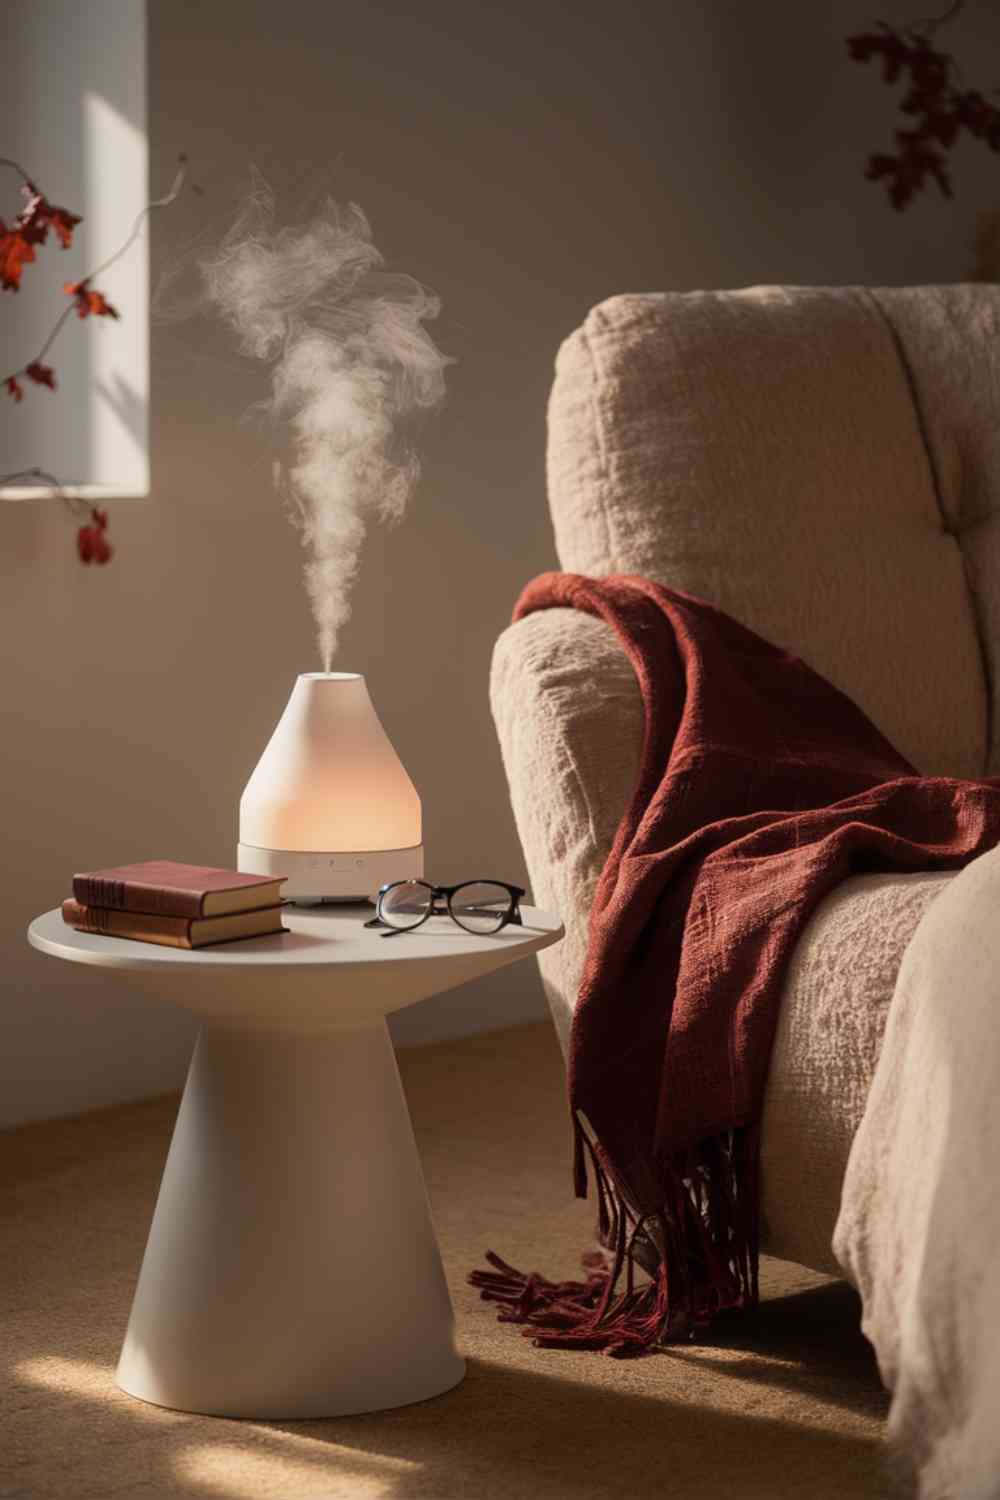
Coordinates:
351 360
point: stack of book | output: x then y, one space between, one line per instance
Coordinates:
179 906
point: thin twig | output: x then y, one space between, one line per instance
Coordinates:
142 215
76 503
930 24
15 166
18 474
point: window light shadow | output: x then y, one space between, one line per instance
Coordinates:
505 1431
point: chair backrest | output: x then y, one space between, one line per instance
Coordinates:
824 464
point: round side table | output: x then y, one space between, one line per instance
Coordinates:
292 1268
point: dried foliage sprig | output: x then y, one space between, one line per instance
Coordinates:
936 102
18 242
92 544
31 228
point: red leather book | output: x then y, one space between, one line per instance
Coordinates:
172 932
164 888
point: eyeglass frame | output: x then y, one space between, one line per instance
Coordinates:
512 916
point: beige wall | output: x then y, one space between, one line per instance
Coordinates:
526 160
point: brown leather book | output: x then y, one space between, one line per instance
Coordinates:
172 932
164 888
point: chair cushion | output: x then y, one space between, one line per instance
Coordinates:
763 449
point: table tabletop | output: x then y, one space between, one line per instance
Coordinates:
333 935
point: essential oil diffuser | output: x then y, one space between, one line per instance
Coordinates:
329 804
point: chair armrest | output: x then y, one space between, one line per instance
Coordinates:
570 720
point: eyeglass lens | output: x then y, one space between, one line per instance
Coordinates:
480 906
406 904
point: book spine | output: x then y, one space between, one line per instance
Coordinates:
129 895
170 932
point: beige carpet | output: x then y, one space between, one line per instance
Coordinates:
786 1403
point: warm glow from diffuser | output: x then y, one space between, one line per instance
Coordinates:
329 778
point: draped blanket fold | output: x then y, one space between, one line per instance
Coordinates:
761 786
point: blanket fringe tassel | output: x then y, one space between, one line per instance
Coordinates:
664 1274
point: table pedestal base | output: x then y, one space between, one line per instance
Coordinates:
292 1268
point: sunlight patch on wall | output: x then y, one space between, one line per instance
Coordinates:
116 154
75 121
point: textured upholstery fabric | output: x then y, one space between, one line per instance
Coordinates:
569 719
833 1015
919 1229
763 450
824 465
948 340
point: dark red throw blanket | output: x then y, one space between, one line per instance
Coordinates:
761 787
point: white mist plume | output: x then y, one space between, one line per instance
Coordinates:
351 359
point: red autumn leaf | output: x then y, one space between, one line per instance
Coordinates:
32 223
41 374
89 302
929 69
30 228
887 44
63 223
907 173
863 46
13 388
15 253
91 542
38 216
980 118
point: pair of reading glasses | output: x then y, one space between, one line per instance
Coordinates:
479 906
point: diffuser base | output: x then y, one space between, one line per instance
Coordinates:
317 875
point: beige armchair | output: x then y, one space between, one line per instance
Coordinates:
824 464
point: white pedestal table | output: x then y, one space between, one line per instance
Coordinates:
292 1268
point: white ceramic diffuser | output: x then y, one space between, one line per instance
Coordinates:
329 804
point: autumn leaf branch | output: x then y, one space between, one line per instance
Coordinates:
92 544
29 229
936 101
86 300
